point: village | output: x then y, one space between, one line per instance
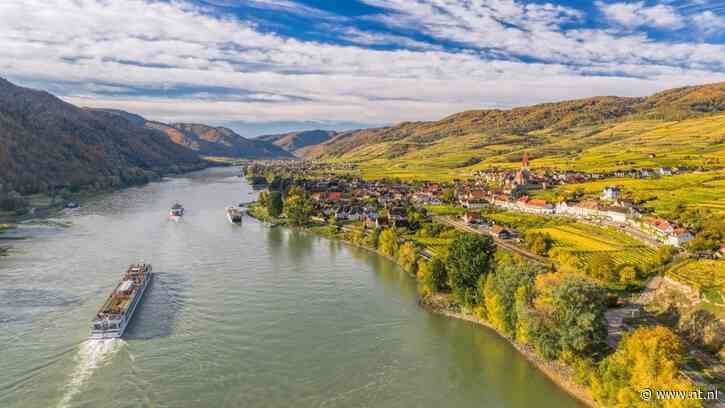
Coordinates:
386 203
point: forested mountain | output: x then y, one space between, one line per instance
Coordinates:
219 141
46 142
294 141
683 125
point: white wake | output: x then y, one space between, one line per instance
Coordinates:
91 355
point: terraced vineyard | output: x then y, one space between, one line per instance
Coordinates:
585 241
705 275
705 190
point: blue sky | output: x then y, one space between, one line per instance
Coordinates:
263 66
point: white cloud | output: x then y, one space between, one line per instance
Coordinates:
634 15
89 48
709 22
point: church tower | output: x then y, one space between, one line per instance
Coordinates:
525 161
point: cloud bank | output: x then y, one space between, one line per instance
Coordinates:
407 60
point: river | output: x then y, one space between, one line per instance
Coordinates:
237 316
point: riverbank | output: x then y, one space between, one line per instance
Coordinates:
561 374
442 304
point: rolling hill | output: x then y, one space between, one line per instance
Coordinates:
295 141
46 142
679 126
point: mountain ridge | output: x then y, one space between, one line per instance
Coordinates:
296 141
681 126
46 142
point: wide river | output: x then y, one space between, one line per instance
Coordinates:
237 316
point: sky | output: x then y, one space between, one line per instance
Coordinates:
267 66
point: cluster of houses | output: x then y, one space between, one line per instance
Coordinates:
377 204
609 208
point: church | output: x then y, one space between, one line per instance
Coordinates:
523 176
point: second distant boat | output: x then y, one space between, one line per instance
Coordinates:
234 214
176 212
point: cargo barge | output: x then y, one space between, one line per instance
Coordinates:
116 313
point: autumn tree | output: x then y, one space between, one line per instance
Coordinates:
263 198
408 257
647 358
373 239
298 207
388 242
539 243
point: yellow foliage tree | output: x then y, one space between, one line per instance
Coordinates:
388 242
647 359
408 257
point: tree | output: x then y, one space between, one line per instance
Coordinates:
567 315
499 294
470 257
437 277
408 257
647 358
263 198
539 243
373 239
275 204
602 267
298 207
357 236
388 244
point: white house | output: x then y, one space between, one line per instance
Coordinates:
678 237
611 193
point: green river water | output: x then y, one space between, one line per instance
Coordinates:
237 316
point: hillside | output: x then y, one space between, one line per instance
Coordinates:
209 140
679 126
220 141
294 141
47 142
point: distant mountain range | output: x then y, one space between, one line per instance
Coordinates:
296 141
209 140
46 142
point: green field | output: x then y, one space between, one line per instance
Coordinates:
584 241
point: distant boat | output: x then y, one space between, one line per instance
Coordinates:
234 215
176 212
116 313
71 204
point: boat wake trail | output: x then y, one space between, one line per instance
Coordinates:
92 355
